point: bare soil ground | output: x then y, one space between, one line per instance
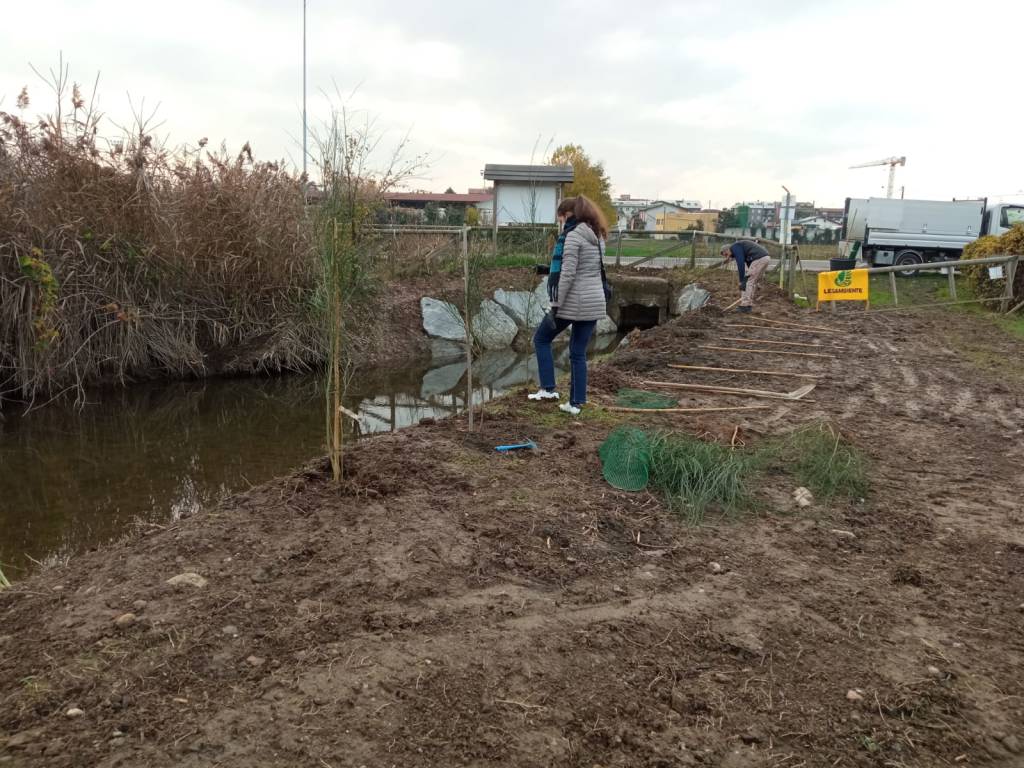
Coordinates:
452 606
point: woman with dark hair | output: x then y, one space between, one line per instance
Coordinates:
577 295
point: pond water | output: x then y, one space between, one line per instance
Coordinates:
71 479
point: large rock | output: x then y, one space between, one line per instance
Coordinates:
605 326
690 298
442 320
492 328
540 294
524 307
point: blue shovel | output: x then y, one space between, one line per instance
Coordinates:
528 445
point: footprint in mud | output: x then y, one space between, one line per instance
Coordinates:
909 377
1001 411
880 393
851 407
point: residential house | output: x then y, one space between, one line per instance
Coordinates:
627 209
647 218
705 221
812 229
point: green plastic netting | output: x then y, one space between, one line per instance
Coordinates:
639 398
626 459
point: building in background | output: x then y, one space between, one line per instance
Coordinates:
647 218
640 213
627 208
759 218
527 194
816 229
683 221
439 207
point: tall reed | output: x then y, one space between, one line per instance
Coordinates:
124 259
352 189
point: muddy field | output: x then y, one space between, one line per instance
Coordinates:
452 606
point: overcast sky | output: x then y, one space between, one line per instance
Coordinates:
699 99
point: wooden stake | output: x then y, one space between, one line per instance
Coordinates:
618 409
351 414
770 328
794 325
765 341
796 394
745 370
765 351
733 304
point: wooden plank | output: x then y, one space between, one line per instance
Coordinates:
765 351
766 341
771 328
619 409
796 394
745 370
818 328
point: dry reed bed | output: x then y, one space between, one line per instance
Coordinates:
129 261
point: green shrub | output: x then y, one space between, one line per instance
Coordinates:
983 286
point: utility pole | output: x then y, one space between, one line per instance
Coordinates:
784 235
305 151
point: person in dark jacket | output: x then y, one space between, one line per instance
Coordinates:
576 291
751 262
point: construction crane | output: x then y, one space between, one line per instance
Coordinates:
892 162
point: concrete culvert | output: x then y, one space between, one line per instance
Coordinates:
638 316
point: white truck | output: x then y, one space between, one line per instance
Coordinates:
886 232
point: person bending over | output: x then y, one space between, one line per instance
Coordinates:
751 262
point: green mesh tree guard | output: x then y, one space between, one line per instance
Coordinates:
626 459
638 398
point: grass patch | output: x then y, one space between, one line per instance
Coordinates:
552 417
695 475
931 288
824 462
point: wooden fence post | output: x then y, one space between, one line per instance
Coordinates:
1011 276
469 323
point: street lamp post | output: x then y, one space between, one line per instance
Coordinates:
305 152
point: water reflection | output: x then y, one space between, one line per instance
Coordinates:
70 480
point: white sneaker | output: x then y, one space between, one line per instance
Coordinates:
543 394
569 408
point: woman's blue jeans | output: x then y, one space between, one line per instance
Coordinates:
546 332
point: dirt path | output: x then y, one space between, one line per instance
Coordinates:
452 606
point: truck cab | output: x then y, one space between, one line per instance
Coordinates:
1000 217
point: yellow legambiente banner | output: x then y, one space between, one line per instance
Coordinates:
847 285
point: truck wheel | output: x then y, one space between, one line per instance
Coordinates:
908 257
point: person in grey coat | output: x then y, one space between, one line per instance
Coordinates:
576 289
